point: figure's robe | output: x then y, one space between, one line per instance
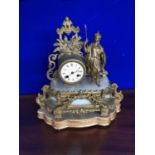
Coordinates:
94 58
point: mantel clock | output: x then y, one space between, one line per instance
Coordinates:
79 94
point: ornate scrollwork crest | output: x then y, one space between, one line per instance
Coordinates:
67 43
67 28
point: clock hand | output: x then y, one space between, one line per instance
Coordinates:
76 71
67 76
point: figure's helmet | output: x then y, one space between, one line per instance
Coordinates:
97 36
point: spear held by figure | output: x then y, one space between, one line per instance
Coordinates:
86 41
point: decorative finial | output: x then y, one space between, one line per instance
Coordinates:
67 22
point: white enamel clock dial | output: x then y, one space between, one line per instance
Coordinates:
72 72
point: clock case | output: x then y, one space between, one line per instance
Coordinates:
83 105
71 58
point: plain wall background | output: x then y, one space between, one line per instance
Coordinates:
115 19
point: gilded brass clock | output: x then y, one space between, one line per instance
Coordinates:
94 100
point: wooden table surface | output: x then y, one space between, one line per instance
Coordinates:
37 138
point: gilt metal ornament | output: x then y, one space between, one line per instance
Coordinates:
79 94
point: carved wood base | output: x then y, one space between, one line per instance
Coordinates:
74 123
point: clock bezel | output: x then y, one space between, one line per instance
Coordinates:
67 61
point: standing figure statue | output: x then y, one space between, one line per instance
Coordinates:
95 58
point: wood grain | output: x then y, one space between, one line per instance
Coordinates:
37 138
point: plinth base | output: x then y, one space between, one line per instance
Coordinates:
75 123
80 106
